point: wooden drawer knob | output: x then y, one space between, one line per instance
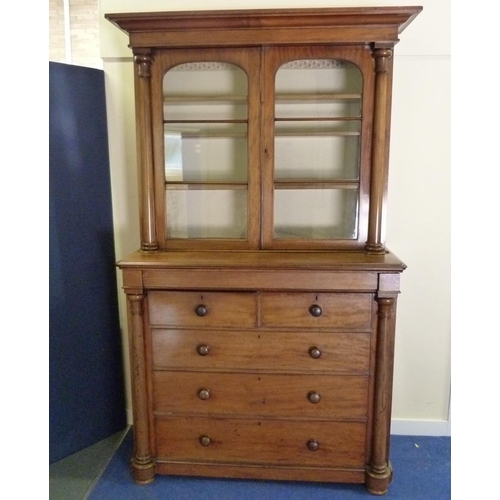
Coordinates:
314 352
313 445
201 310
314 397
205 440
315 311
203 349
204 394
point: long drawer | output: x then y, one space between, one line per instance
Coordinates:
317 310
253 441
203 309
282 395
261 350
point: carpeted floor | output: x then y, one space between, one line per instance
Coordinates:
421 472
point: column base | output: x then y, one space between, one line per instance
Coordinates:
376 249
377 481
143 470
149 247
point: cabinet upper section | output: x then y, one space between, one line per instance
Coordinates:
264 129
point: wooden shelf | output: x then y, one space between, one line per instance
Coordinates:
306 98
239 99
315 184
205 185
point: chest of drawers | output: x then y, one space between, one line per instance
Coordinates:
262 377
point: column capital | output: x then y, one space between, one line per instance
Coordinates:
382 57
143 64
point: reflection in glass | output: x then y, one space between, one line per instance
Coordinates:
315 213
206 213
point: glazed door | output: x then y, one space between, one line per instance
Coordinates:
317 135
207 154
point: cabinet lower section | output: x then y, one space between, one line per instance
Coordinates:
263 383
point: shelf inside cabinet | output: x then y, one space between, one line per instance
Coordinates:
203 99
282 98
306 98
177 185
320 132
315 184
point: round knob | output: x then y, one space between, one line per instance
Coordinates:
315 310
202 349
313 445
205 440
204 394
201 310
314 397
314 352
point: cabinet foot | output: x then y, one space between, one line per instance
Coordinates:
143 470
378 479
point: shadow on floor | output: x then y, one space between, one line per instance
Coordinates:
73 477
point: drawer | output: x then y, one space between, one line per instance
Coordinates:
340 352
317 310
334 444
203 309
283 395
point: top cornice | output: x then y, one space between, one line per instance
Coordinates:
379 25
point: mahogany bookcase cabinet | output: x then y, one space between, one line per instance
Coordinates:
262 303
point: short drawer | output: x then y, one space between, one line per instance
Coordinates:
202 309
284 443
339 352
317 310
282 395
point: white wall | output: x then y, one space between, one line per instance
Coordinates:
418 225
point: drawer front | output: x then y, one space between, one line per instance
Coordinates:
203 309
339 444
243 350
317 310
252 394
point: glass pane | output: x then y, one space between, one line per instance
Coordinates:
205 108
316 150
317 106
205 91
206 213
315 213
205 152
320 77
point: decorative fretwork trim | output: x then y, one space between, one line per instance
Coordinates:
300 64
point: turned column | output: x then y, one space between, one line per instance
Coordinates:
380 150
144 133
379 471
143 465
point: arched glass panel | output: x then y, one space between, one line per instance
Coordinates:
316 153
206 159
